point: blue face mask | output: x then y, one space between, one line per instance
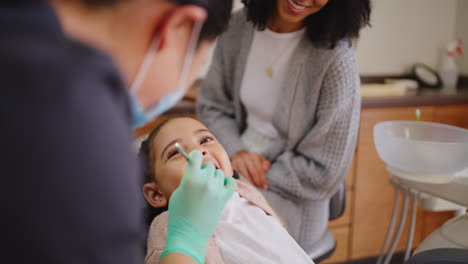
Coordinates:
142 115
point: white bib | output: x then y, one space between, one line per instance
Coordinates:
246 234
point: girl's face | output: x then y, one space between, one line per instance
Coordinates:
169 164
295 11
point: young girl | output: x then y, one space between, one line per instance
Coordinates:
249 230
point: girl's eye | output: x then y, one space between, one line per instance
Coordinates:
172 153
206 139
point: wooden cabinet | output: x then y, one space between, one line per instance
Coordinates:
373 195
455 115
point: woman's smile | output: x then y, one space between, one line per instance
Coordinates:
295 7
291 14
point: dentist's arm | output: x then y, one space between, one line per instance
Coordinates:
195 209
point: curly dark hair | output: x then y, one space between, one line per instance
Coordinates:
219 13
337 20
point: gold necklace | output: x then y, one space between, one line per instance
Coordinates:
269 70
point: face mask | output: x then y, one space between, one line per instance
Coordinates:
142 115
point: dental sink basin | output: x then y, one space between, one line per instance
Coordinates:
423 148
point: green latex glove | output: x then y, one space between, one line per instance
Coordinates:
195 208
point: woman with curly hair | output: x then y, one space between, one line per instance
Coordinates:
282 94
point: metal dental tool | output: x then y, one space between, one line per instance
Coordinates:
182 151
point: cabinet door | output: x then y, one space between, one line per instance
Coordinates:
373 195
455 115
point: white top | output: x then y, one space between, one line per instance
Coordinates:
246 234
259 91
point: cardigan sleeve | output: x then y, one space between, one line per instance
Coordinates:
319 163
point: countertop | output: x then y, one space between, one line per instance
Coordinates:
418 98
422 96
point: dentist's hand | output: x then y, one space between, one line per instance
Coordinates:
195 208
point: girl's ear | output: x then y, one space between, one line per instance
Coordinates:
153 195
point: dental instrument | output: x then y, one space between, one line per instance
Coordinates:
182 151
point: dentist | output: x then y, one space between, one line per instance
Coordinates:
70 179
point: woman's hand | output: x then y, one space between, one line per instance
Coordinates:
251 166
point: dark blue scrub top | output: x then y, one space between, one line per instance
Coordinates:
70 185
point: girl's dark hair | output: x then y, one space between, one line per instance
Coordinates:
337 20
219 13
146 155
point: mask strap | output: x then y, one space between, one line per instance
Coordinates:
145 65
190 54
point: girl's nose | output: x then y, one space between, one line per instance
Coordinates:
204 152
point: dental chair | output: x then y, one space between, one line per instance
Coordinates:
327 244
440 256
448 244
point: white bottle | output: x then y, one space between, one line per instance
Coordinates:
448 71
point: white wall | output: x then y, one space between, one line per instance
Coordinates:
405 32
461 32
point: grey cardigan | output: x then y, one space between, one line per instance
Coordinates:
317 115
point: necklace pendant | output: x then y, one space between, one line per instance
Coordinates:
269 72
